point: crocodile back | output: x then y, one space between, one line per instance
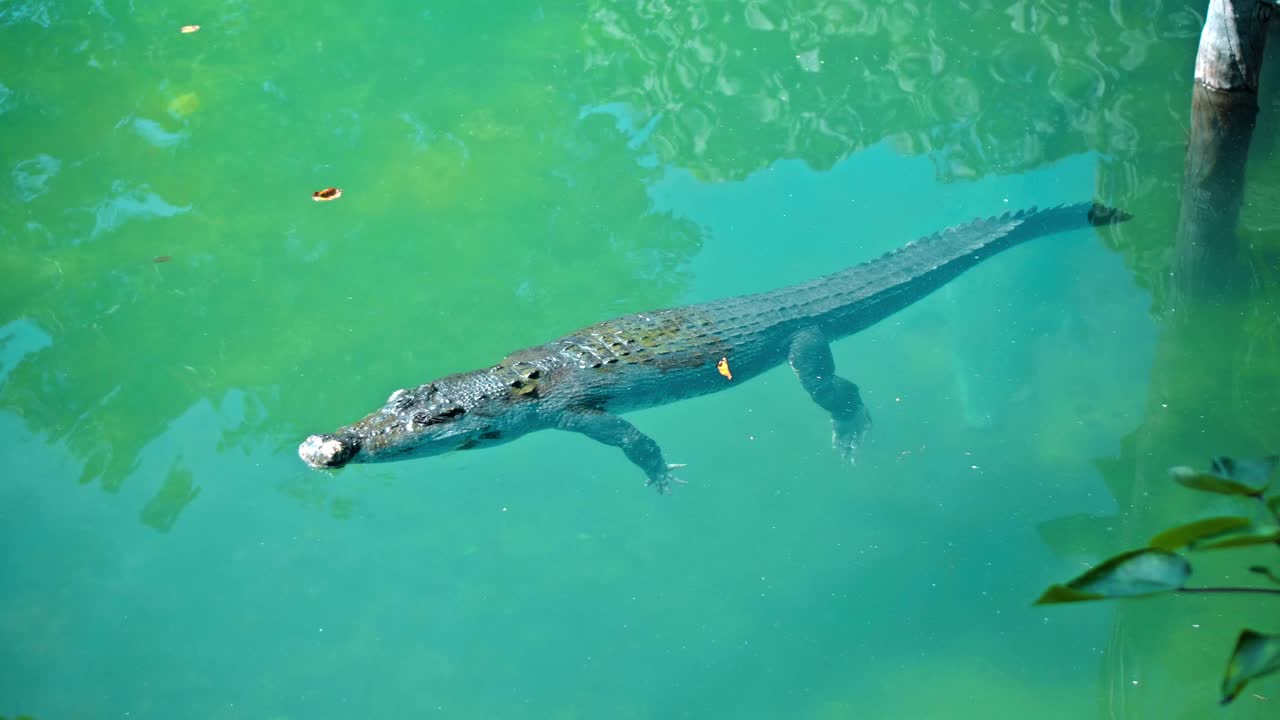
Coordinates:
670 354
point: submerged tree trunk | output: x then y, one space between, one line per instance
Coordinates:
1224 105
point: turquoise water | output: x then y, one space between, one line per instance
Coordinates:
511 172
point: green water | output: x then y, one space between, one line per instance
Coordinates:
512 171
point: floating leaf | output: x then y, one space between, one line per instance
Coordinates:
1183 535
1253 535
327 194
723 367
1255 655
1130 574
1210 482
183 105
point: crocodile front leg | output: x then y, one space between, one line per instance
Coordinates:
810 357
613 430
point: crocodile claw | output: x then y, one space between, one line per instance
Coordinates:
663 482
847 434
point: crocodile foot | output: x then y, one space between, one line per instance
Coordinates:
662 483
847 434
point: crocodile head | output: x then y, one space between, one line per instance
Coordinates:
458 412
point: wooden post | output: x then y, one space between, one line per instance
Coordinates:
1224 104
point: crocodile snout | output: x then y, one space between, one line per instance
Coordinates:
328 451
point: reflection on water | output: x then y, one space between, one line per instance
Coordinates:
499 173
17 340
993 88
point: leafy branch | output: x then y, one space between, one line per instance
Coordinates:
1159 568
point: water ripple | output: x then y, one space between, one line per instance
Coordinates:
125 204
33 11
31 177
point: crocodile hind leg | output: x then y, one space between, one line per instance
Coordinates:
810 357
613 430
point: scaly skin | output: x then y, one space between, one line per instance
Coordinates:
581 382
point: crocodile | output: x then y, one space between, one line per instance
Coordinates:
583 381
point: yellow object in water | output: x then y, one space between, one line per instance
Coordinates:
723 367
184 105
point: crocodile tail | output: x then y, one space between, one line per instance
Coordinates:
951 251
852 299
1036 223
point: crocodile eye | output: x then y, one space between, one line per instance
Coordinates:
422 417
445 415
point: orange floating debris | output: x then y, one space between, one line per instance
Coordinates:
188 29
326 194
723 367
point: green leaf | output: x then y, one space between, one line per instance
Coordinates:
1230 477
1265 572
1130 574
1210 482
1183 535
1255 655
1253 535
1058 594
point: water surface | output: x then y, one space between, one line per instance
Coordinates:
512 171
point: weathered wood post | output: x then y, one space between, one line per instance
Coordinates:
1224 104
